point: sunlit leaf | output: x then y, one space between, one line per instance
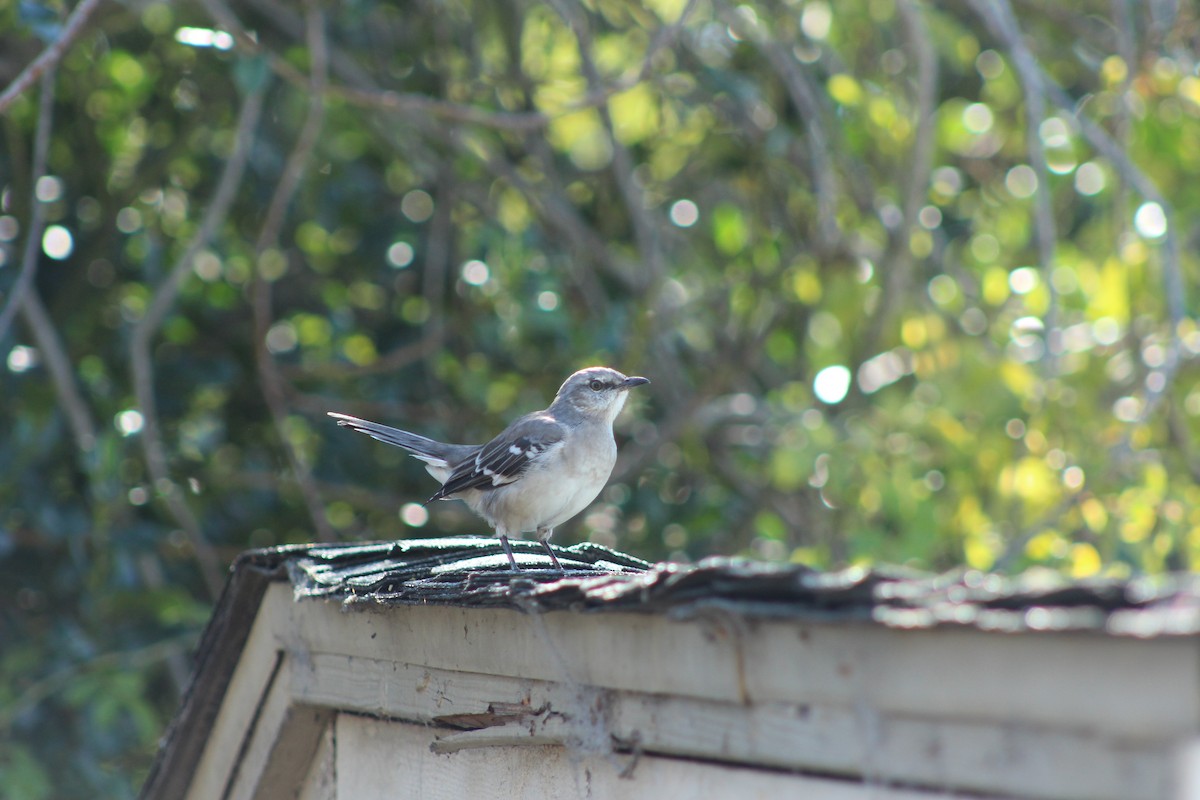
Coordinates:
729 229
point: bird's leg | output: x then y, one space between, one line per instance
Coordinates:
553 557
512 562
543 535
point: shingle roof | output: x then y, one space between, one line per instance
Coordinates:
471 572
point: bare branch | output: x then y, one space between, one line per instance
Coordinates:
998 15
804 97
1174 287
549 199
663 38
898 261
37 214
597 96
1123 29
58 363
141 360
46 686
1177 430
48 60
1172 277
405 103
418 104
24 294
391 361
411 104
644 229
285 16
439 250
270 378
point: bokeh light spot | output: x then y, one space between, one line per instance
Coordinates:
832 384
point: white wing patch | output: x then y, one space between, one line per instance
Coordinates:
506 458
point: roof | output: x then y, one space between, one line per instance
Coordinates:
469 572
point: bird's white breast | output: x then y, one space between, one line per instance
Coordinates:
547 497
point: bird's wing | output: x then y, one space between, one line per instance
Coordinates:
432 452
507 457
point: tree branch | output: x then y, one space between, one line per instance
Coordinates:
621 166
898 260
394 360
826 185
54 683
271 380
141 360
411 104
998 15
48 60
58 363
37 209
1174 287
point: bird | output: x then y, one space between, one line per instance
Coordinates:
540 471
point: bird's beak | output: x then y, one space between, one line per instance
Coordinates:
629 383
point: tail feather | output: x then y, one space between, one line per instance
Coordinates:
431 452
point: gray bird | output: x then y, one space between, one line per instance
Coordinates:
540 471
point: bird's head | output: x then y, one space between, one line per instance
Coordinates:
596 392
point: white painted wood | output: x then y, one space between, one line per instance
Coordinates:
262 743
321 781
537 729
261 738
381 760
407 691
281 744
1047 715
1187 770
247 686
1087 681
291 749
1032 760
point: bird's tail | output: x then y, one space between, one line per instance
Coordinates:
431 452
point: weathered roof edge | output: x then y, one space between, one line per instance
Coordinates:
216 658
471 572
474 572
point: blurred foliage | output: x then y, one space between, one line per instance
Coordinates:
814 226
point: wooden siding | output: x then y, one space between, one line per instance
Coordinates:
838 709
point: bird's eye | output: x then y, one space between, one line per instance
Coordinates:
596 385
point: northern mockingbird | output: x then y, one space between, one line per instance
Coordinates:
542 470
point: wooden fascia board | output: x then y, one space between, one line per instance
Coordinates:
1133 688
281 743
953 708
219 656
